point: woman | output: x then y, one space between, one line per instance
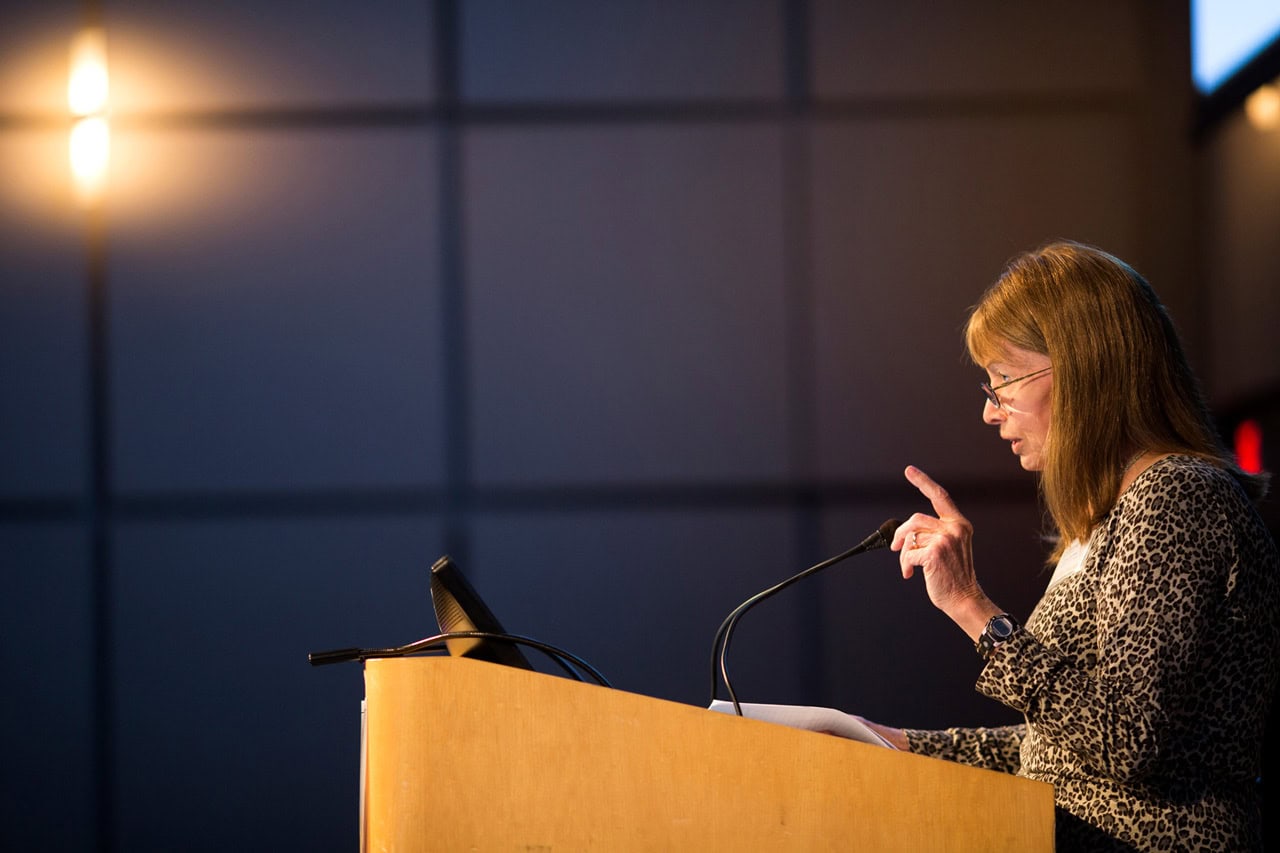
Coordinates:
1146 671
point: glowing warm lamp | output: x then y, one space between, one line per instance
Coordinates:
1263 107
87 88
90 152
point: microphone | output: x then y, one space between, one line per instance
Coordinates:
720 646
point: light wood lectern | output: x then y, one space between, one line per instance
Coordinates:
465 755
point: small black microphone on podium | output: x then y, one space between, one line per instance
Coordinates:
720 646
335 656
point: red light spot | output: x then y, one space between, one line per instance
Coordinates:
1249 446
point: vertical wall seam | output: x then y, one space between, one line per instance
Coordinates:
99 522
453 338
800 331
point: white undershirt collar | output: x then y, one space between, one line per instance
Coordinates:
1071 562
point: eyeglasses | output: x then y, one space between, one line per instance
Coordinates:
991 392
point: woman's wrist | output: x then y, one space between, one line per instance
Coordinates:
897 737
973 614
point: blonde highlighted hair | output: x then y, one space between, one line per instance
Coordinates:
1121 382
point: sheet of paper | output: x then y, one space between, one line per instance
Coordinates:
808 717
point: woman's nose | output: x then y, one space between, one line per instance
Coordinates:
991 413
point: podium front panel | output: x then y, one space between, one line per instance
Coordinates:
466 755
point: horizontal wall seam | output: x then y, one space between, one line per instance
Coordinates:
581 499
420 114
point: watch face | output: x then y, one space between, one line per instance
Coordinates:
1001 628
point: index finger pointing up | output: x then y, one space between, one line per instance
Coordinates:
943 506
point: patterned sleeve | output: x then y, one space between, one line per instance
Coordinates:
1122 704
989 748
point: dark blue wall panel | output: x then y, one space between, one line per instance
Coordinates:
47 791
581 50
227 737
640 593
43 362
627 304
283 54
286 336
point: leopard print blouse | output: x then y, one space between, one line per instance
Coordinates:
1145 678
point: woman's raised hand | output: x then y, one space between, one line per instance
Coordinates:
941 546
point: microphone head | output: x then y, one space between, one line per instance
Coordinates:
885 532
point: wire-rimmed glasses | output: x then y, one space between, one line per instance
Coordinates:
991 392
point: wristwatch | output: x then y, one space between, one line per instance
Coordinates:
999 628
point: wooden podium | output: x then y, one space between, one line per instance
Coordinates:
465 755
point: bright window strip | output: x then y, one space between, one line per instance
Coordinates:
1226 34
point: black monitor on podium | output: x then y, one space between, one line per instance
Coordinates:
459 608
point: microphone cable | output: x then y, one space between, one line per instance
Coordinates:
569 662
720 645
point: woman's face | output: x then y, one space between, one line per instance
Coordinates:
1024 410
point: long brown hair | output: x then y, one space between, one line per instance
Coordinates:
1121 382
